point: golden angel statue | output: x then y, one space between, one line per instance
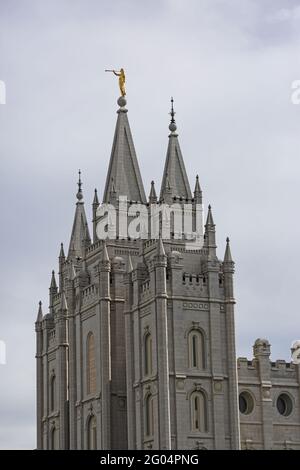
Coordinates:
121 75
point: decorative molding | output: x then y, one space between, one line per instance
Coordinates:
195 306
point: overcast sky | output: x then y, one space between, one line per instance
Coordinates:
230 65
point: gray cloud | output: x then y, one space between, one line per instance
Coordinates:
229 65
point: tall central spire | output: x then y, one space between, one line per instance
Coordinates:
123 177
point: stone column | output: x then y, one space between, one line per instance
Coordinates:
160 264
129 350
262 351
105 348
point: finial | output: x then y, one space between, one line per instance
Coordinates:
96 200
79 195
227 240
172 125
40 303
209 206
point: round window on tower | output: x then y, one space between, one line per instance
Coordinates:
246 403
284 404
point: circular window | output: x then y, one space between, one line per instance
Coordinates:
246 403
284 404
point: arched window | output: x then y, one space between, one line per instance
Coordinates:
149 416
148 354
92 433
196 350
198 412
91 364
54 439
52 393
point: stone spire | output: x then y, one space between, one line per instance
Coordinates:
210 234
227 256
40 313
53 285
62 252
152 195
209 220
94 208
160 250
175 178
96 200
105 257
123 177
52 291
80 227
198 191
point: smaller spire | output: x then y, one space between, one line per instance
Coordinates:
79 194
40 313
152 195
227 256
96 200
105 256
160 248
172 125
210 220
62 253
197 186
53 284
129 266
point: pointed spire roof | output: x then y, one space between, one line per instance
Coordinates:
209 220
123 177
197 186
61 253
53 284
152 195
175 177
40 313
80 230
160 248
227 256
96 200
105 256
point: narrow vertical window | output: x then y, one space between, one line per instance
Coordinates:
196 350
195 353
149 416
52 393
91 364
198 412
92 433
148 354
